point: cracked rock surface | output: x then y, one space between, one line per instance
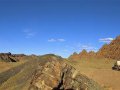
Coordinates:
47 72
57 75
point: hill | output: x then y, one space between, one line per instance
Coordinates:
48 72
98 65
110 51
83 54
8 57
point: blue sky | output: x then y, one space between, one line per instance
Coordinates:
57 26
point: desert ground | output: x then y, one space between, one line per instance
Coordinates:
100 70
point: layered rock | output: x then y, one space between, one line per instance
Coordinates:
57 75
47 72
8 57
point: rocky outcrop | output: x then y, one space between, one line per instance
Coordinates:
8 57
57 75
47 72
111 50
83 54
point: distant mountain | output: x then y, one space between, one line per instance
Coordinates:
8 57
111 51
83 54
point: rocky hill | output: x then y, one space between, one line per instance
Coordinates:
48 72
8 57
82 54
111 51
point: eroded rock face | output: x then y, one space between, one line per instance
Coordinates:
47 72
111 50
57 75
8 57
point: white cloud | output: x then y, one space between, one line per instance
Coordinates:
106 40
56 40
29 33
78 47
51 40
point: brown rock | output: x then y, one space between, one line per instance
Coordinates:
111 50
8 57
57 75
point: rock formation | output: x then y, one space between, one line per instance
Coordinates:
111 50
8 57
83 54
57 75
47 72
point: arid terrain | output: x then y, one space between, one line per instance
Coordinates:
98 65
99 70
59 44
48 72
83 71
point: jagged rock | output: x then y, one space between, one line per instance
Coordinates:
55 74
111 50
82 54
8 57
47 72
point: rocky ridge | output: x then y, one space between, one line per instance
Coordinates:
110 51
57 75
47 72
8 57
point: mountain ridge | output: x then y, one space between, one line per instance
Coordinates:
110 51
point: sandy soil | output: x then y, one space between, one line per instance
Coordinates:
109 79
100 71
